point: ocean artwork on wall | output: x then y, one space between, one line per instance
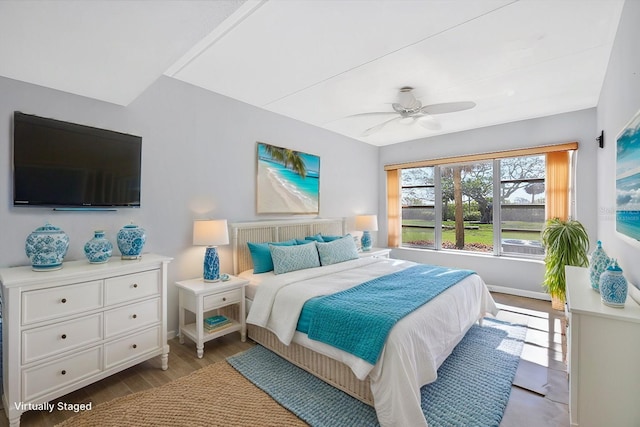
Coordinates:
288 181
628 180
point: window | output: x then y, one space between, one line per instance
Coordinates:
418 207
467 204
522 204
449 203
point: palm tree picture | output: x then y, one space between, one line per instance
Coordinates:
287 181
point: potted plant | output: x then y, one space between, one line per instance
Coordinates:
565 243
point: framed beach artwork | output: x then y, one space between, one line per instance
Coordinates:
288 181
628 180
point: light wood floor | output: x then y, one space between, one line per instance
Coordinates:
543 370
542 365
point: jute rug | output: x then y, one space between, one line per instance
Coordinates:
472 389
216 395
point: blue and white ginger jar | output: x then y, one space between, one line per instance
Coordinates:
46 247
598 264
99 249
130 241
613 286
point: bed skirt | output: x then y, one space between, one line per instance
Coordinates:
329 370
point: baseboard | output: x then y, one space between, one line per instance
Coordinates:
519 292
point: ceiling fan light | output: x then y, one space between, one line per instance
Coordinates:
406 98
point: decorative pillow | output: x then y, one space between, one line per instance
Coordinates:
261 256
292 258
317 238
339 250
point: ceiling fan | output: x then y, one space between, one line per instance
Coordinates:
409 110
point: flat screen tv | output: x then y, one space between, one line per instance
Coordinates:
66 165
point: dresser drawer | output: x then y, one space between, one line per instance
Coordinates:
133 316
42 342
44 379
222 299
52 303
131 286
132 346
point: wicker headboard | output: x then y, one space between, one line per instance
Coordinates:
276 231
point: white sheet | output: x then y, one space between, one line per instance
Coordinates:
254 282
415 348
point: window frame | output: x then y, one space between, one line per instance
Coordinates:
495 157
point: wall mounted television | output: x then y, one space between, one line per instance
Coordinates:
66 165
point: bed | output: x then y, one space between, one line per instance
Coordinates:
415 347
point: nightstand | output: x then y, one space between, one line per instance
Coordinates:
204 298
375 253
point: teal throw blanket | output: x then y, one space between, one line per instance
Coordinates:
358 320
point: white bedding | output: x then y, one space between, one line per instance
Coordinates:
415 348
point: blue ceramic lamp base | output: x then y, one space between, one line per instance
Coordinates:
366 241
211 265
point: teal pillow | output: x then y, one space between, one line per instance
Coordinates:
331 238
261 256
317 238
304 241
339 250
292 258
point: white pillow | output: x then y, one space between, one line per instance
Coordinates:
339 250
292 258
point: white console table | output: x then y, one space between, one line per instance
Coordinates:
603 357
65 329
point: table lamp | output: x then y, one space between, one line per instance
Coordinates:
211 233
366 223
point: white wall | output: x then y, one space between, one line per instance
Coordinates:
524 277
619 102
198 161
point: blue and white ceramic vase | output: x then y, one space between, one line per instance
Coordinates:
130 241
211 272
366 241
598 264
613 286
99 249
46 247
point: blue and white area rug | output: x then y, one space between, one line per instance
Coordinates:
472 388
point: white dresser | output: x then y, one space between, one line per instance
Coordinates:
603 357
65 329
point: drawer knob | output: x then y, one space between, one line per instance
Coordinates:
135 346
135 285
64 336
63 372
135 316
224 298
63 300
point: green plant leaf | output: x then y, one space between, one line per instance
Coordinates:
566 243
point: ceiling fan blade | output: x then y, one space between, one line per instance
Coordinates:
447 107
429 122
379 126
374 113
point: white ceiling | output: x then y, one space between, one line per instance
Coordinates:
320 61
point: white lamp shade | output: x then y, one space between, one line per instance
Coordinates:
367 223
210 232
